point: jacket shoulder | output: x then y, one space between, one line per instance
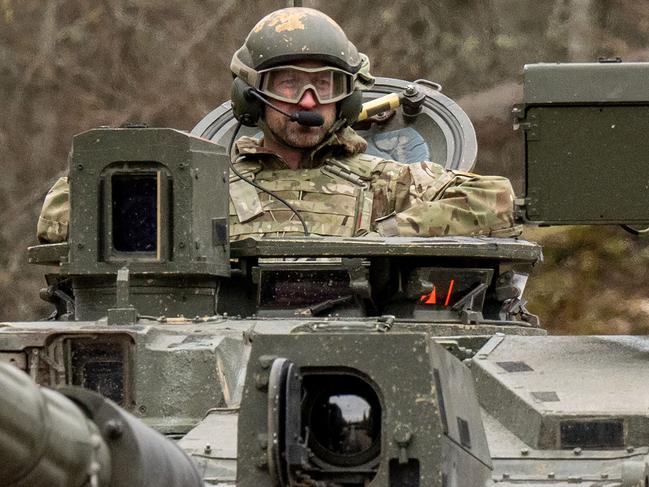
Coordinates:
363 165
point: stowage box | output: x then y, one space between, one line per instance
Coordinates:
586 143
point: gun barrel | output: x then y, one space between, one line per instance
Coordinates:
45 439
77 437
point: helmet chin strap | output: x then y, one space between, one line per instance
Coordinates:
338 124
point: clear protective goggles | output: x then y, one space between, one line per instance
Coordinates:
289 83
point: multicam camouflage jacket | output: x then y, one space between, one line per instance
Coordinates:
342 192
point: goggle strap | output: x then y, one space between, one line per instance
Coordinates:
246 73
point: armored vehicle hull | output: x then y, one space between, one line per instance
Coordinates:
523 409
325 361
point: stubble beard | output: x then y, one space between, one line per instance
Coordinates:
295 135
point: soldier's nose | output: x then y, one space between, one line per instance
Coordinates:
308 100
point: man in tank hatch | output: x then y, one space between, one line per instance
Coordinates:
299 79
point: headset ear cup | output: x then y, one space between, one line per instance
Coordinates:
246 109
350 107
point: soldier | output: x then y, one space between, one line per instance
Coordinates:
299 79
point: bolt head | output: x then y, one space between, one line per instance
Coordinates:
410 90
262 462
114 429
261 381
402 434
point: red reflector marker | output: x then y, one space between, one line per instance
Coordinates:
450 290
430 298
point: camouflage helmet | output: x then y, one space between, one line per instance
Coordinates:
286 36
295 34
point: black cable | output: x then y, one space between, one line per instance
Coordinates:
635 231
258 186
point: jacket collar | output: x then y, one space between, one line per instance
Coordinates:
343 142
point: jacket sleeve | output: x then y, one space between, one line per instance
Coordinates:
425 200
55 215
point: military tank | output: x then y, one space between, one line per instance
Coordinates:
329 361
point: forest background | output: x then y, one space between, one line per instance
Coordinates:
70 65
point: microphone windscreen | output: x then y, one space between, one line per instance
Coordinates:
310 119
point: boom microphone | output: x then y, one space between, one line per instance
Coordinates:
309 119
303 117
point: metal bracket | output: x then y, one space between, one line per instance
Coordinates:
412 101
123 313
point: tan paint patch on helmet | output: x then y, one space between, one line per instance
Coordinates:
285 20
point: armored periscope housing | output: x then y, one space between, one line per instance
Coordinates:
329 361
151 202
306 421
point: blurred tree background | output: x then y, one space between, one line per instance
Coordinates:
69 65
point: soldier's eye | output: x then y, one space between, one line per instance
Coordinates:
288 84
